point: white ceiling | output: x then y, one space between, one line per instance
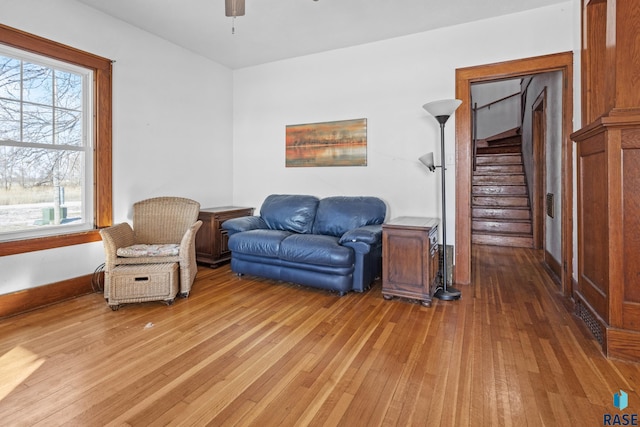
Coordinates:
277 29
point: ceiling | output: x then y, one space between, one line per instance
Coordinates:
278 29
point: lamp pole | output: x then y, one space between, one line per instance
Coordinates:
442 110
445 293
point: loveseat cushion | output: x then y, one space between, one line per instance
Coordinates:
339 214
289 212
316 249
258 242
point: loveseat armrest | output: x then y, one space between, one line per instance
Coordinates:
366 242
361 239
244 223
370 234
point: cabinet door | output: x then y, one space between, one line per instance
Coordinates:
434 266
406 261
205 238
223 239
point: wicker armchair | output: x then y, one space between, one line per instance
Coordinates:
157 221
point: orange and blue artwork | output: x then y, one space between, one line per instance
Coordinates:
340 143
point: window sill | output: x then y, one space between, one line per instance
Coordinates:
50 242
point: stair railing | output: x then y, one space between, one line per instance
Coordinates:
475 134
475 110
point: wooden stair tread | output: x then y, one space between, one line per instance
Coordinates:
499 179
499 149
499 190
503 220
499 169
496 160
500 211
501 240
504 233
502 227
509 133
504 201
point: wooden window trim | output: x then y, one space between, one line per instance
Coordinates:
102 192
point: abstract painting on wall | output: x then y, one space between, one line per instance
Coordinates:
341 143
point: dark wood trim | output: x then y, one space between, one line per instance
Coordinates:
103 194
33 298
614 342
464 78
42 46
623 344
539 141
553 265
51 242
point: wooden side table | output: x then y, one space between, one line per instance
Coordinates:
410 258
211 240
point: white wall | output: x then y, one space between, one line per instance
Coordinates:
386 82
501 116
551 84
172 124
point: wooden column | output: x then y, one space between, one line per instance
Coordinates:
608 150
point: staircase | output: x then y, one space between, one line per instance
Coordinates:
501 214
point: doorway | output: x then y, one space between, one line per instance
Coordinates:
465 77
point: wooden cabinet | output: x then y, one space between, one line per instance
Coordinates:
410 258
211 240
607 295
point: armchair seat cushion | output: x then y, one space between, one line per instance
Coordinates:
140 250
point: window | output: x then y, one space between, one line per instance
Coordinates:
55 143
46 145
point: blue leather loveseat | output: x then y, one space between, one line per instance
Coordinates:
333 243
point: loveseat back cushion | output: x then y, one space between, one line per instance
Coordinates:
289 212
339 214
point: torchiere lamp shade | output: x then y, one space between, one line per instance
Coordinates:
427 160
443 108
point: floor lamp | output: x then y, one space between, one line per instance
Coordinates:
442 110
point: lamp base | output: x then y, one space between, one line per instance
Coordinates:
448 294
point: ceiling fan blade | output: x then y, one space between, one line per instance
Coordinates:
234 7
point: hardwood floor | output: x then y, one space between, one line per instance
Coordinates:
243 351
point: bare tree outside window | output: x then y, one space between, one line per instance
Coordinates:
43 152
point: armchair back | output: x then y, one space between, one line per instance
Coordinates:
162 220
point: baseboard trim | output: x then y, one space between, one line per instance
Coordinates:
623 344
31 299
553 265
